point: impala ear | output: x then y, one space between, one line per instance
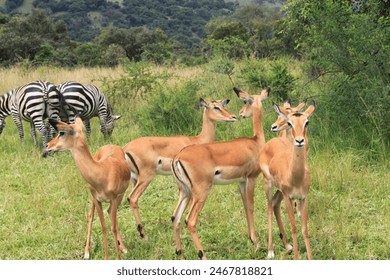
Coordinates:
281 112
300 105
78 121
265 93
287 104
203 103
225 102
57 124
241 94
311 108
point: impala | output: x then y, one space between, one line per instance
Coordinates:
280 125
107 174
198 167
284 165
153 155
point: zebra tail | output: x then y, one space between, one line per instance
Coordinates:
63 104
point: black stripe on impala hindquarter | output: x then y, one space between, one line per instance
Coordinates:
133 162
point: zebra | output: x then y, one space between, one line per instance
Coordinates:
33 103
88 101
5 107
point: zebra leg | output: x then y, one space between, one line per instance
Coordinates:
18 123
33 133
87 128
38 123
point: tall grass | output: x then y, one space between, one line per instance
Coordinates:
45 202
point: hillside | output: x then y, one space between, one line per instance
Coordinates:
182 20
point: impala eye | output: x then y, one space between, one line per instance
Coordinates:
289 124
61 133
217 108
307 123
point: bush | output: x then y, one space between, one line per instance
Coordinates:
275 75
137 81
171 111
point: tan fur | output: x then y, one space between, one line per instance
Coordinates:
284 165
107 174
198 167
153 155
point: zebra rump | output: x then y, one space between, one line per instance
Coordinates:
33 103
87 101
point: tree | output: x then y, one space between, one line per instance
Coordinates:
350 44
35 38
138 41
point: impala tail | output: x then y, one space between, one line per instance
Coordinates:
181 176
132 165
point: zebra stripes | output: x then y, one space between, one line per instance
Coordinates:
31 103
88 101
38 100
5 107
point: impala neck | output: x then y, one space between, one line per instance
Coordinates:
258 132
84 161
298 164
207 134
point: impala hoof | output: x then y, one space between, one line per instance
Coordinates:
289 248
271 254
86 256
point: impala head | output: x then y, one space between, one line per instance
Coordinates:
297 121
249 100
216 110
281 123
67 135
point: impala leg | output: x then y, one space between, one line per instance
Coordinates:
114 225
139 188
247 195
198 202
176 218
276 200
305 218
122 247
268 193
99 210
90 221
290 211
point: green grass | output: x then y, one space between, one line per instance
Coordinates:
45 201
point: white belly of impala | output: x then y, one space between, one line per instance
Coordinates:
218 180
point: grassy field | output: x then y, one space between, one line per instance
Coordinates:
45 202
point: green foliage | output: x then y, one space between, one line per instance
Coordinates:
349 45
135 83
275 75
114 55
183 21
89 54
22 37
231 47
222 65
172 111
138 43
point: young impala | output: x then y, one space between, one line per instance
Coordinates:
198 167
107 174
153 155
284 165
